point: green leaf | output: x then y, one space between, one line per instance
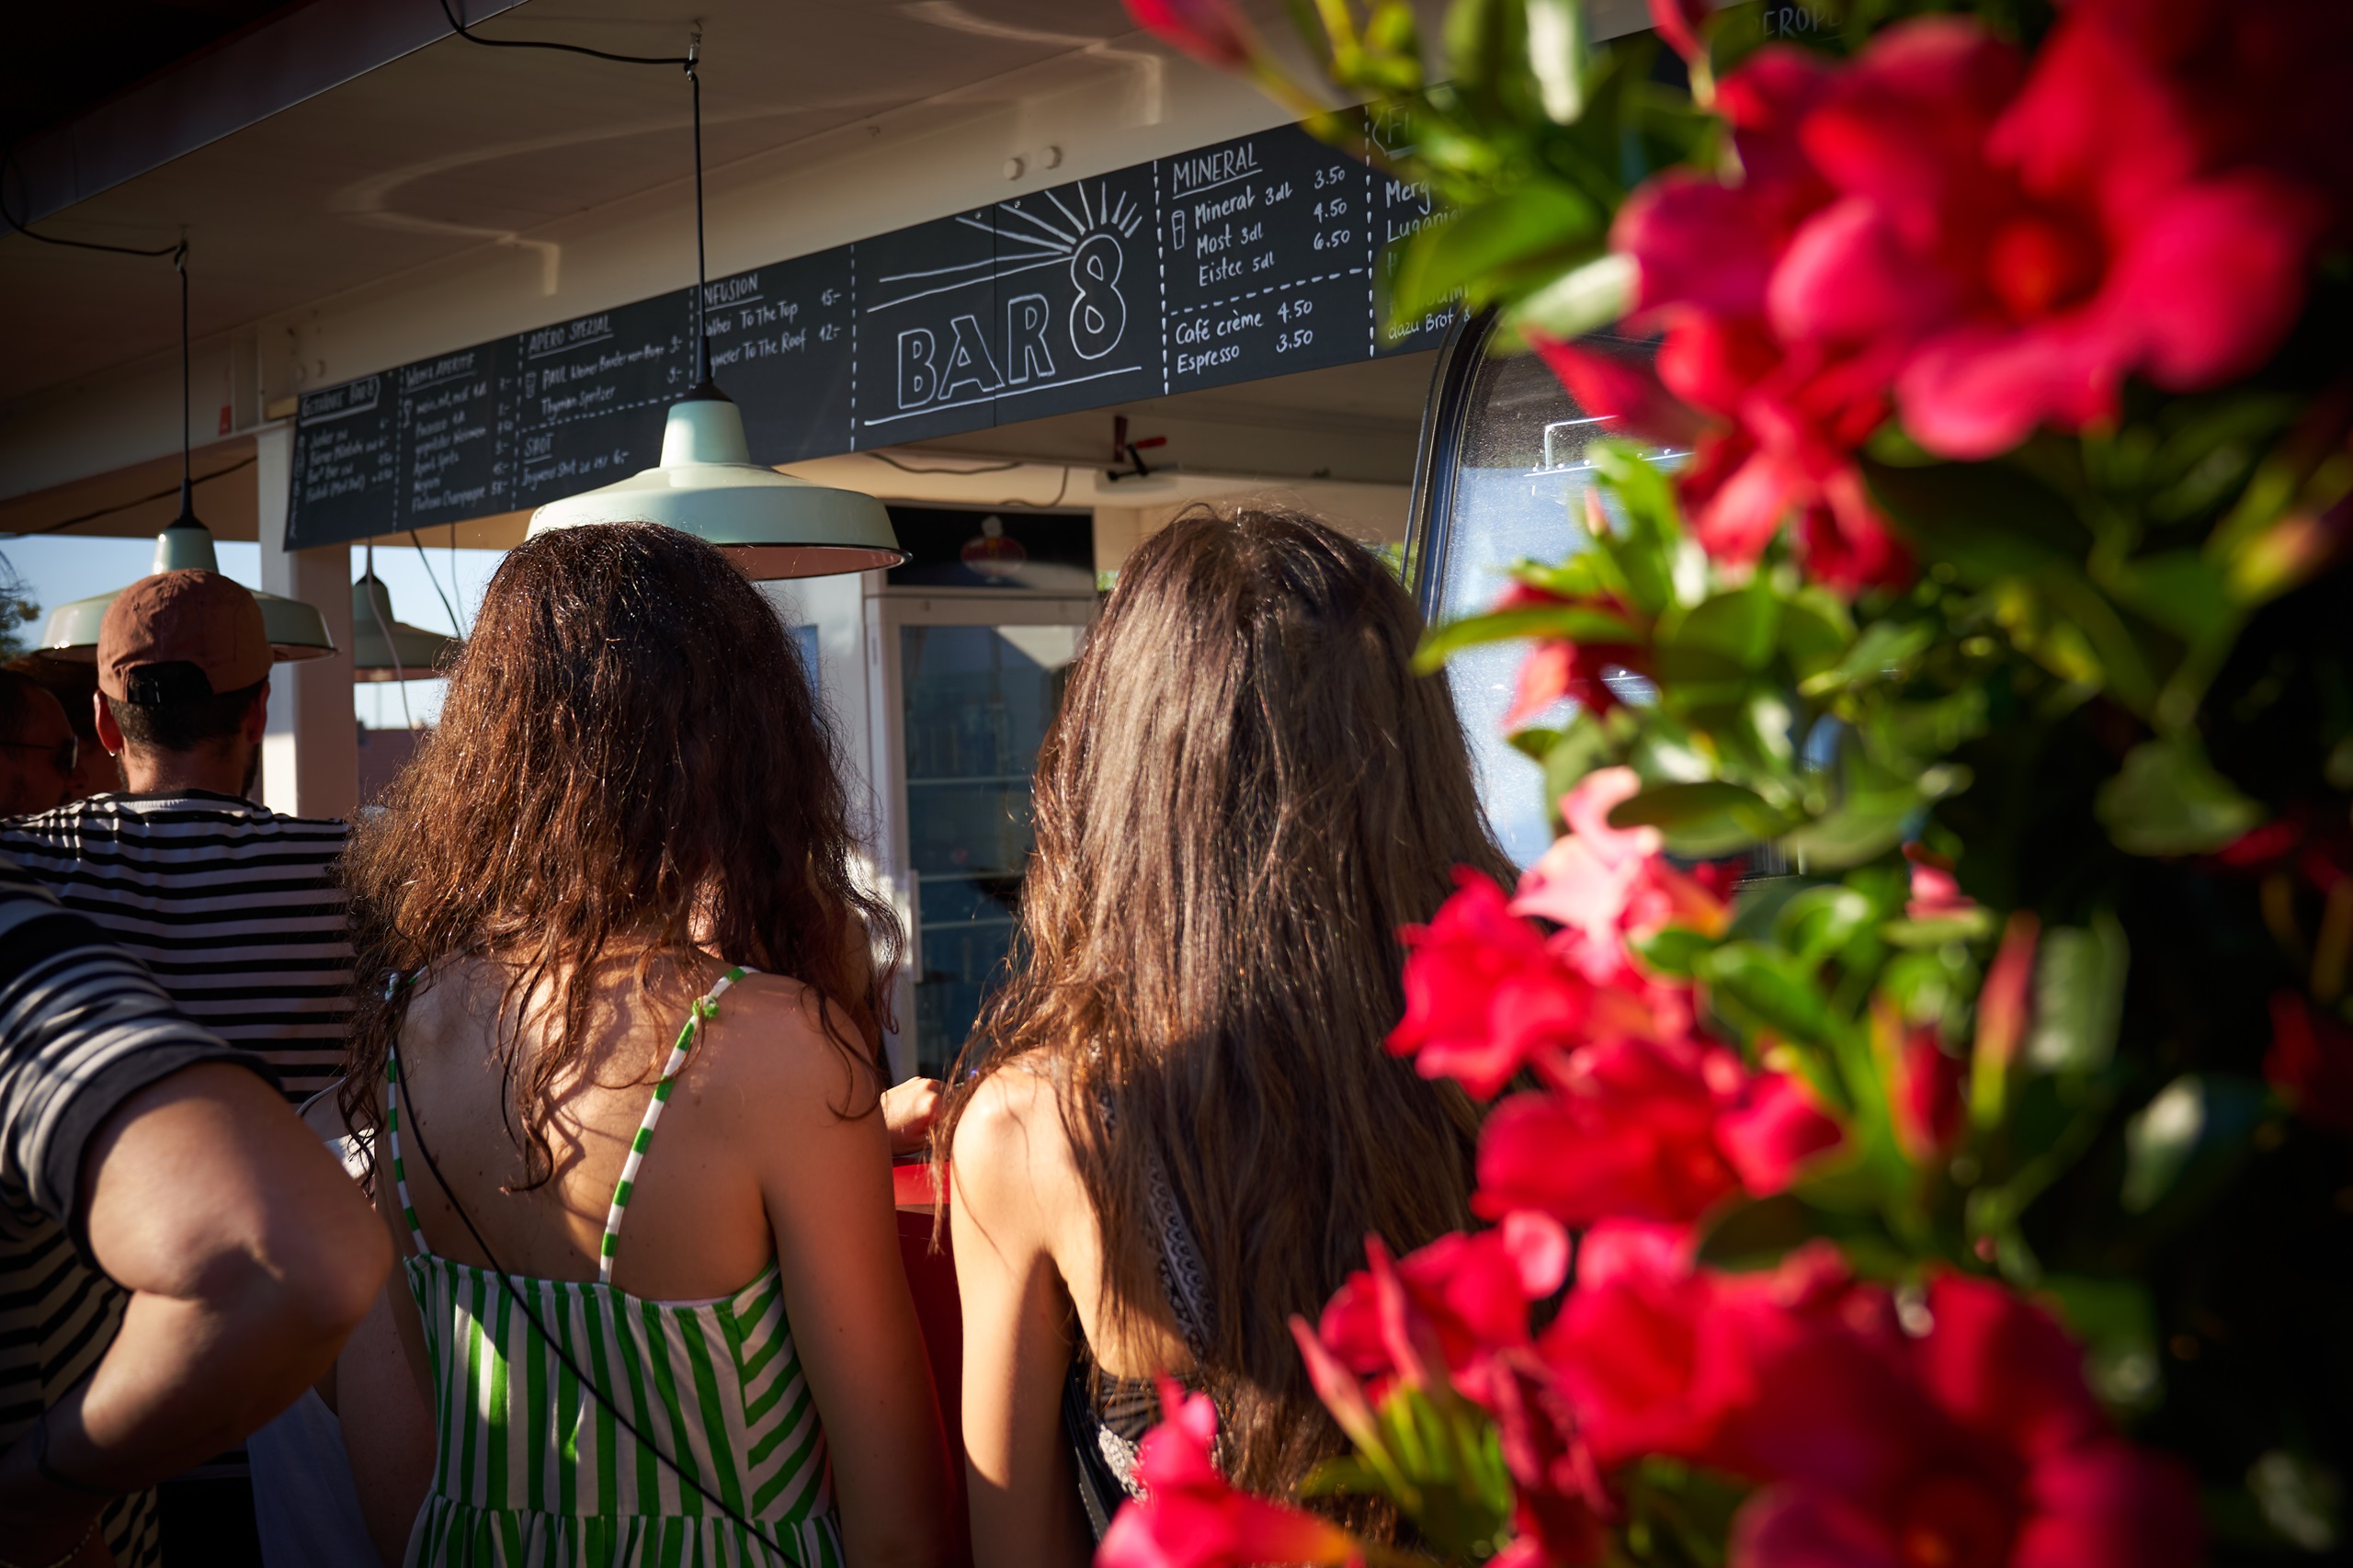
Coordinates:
1556 50
1675 950
1583 746
1821 920
1534 741
1566 623
1815 629
1920 936
2167 800
1706 818
2182 591
1346 1477
1884 652
1874 806
1644 554
1483 41
2187 1140
1760 1233
2078 996
2118 1324
1728 633
1523 237
1584 299
1988 520
1759 988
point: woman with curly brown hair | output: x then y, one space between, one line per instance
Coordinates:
1180 1122
613 895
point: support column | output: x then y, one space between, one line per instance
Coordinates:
311 753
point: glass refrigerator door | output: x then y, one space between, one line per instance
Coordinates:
1515 477
976 703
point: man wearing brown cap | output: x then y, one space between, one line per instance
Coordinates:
233 907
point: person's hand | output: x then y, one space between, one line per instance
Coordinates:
908 1110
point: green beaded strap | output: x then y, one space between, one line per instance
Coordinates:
705 1007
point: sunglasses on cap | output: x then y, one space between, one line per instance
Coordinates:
62 756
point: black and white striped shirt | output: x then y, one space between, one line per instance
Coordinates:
235 907
82 1028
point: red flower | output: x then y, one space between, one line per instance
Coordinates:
1618 385
1679 22
1935 892
1925 1099
1189 1518
1933 228
1646 1130
1471 1291
1559 1497
1602 884
1654 1355
2108 253
1556 668
2311 1061
1212 31
2261 84
1976 1446
1484 995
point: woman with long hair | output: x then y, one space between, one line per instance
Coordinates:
618 1056
1179 1122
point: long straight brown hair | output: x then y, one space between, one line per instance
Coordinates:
1246 793
630 761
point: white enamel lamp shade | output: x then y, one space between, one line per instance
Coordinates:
772 525
386 649
296 631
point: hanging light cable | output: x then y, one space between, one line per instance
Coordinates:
706 483
296 631
384 649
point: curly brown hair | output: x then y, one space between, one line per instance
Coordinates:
631 762
1248 790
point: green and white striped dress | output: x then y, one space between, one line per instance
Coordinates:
530 1471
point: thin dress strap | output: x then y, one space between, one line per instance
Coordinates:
706 1006
396 988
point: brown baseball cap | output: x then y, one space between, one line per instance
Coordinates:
194 617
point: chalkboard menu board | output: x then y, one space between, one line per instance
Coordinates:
1255 257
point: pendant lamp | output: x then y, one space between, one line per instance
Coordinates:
385 649
772 525
296 631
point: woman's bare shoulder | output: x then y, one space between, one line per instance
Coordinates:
770 1034
1011 1147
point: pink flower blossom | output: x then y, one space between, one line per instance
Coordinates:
1189 1516
1557 668
1603 884
1935 892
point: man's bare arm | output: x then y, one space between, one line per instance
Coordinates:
249 1255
